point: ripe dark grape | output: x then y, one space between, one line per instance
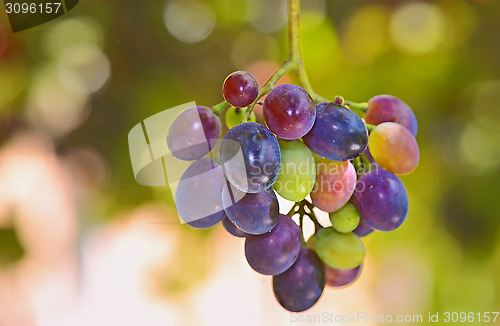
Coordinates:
338 133
300 287
363 229
394 148
197 197
381 200
252 213
232 229
341 277
387 108
240 89
335 183
250 156
289 111
274 252
193 133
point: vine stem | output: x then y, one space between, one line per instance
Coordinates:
293 64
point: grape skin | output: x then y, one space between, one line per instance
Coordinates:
193 133
289 111
274 252
232 229
259 164
240 89
204 181
387 108
363 229
301 286
394 148
339 250
381 200
338 133
341 277
253 213
298 171
335 183
346 219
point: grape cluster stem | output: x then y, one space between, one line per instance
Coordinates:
304 208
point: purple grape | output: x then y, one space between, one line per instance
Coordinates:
387 108
197 197
251 157
232 229
381 200
363 229
341 277
289 111
251 213
301 286
338 133
274 252
193 133
240 89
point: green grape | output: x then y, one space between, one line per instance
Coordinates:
235 116
339 250
346 219
317 157
311 242
298 171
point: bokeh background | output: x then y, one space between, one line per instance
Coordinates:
81 243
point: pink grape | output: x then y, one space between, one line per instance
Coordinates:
394 148
387 108
335 183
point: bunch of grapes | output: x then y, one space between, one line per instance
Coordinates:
345 164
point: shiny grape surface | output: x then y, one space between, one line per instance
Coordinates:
338 133
387 108
339 250
240 89
274 252
289 111
250 156
233 229
335 183
298 171
341 277
252 213
381 200
193 133
394 148
235 116
204 181
300 287
345 219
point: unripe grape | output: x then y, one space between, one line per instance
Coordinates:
339 250
346 219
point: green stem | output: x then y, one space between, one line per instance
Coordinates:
285 68
218 108
363 107
294 38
